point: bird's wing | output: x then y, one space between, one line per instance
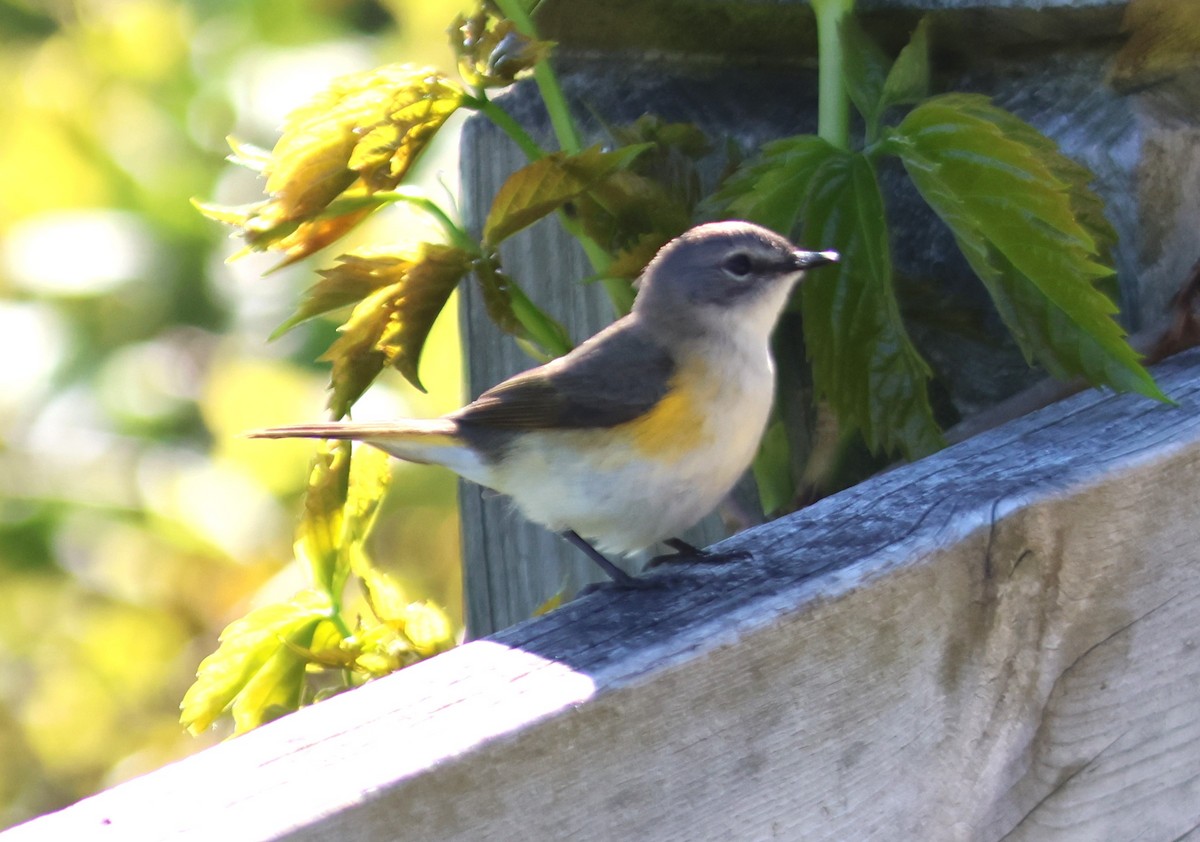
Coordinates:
614 377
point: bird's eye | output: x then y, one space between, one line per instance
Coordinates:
737 265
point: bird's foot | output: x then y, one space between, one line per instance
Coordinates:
686 553
629 583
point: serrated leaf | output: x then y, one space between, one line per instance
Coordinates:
249 647
390 326
1011 200
544 186
771 189
370 125
277 687
626 206
863 361
359 137
908 80
321 532
491 50
370 476
335 290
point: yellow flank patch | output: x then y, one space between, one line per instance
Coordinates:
676 424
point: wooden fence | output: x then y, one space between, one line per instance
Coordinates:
997 642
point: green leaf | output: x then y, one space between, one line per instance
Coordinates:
772 469
1031 229
908 80
547 184
771 189
248 670
389 326
864 70
863 361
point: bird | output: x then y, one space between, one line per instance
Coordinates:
643 429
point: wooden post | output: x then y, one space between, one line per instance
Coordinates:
744 72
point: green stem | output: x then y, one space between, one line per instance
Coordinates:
458 237
507 124
547 82
570 142
833 106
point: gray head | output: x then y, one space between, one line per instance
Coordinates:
715 270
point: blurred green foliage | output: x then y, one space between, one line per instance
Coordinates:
134 523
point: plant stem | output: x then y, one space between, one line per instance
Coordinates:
570 142
547 82
458 237
507 124
833 105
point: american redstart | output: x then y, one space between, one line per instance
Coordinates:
643 429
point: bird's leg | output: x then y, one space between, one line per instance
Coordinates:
685 552
620 578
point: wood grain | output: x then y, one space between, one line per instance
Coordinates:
998 642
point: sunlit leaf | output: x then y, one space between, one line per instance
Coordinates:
248 155
370 475
387 599
359 137
863 361
320 535
390 326
371 125
249 647
492 51
427 628
277 686
1007 195
544 186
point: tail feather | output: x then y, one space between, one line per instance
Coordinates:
433 441
368 431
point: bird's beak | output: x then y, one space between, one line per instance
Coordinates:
813 259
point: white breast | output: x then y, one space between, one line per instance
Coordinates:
623 500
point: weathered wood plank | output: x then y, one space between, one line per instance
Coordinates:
997 642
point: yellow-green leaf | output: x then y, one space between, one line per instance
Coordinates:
321 533
492 51
370 475
428 628
277 687
371 125
542 187
390 326
248 646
